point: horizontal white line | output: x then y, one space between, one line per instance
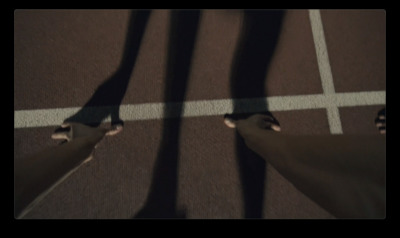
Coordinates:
149 111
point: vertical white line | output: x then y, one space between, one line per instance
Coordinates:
335 125
322 52
325 71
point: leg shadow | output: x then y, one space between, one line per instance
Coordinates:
108 96
162 197
256 47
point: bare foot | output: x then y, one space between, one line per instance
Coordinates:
262 121
72 130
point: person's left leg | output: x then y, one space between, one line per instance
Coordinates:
36 176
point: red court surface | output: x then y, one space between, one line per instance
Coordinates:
61 57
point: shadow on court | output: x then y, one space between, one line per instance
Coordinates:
108 96
161 200
259 37
252 58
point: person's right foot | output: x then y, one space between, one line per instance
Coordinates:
380 121
264 120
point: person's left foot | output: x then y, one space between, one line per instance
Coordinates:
71 130
115 129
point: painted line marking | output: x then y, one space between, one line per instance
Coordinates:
151 111
322 52
325 71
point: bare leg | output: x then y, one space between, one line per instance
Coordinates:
36 174
345 174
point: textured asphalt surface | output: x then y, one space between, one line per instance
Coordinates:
61 57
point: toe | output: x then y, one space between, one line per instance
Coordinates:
114 130
229 122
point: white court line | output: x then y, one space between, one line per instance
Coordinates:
322 52
150 111
325 71
329 100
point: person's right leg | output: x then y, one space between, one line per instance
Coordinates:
345 174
